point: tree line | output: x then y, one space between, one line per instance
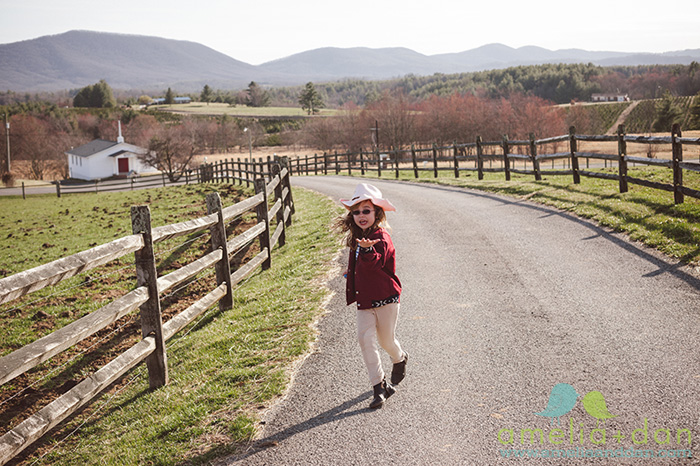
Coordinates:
559 83
40 134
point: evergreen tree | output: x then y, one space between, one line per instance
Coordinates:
667 113
97 95
257 96
310 100
169 97
695 112
207 94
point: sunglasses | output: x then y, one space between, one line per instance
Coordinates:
363 212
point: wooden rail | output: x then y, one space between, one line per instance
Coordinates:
222 171
146 296
531 159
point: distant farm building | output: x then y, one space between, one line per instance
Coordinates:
609 98
101 159
176 100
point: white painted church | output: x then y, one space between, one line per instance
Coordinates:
101 159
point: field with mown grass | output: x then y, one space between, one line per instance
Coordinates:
216 108
646 215
224 368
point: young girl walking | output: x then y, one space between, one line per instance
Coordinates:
372 284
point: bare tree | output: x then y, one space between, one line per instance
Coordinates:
396 119
321 133
171 149
353 129
32 141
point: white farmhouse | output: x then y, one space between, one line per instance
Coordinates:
610 97
101 159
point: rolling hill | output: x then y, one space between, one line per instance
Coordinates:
77 58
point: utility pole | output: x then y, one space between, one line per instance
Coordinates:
250 144
7 134
375 134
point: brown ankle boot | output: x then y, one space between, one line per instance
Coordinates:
398 372
382 391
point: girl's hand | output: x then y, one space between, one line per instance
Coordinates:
366 243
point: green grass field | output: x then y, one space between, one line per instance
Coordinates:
200 108
223 367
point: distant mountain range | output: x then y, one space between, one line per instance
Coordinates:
131 62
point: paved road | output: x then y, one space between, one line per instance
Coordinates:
503 300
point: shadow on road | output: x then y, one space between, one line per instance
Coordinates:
338 413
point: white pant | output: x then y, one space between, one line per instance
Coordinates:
378 324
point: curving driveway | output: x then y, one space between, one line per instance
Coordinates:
503 300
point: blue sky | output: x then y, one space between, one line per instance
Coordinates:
263 30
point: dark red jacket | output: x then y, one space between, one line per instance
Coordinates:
372 277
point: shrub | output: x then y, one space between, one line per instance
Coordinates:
8 179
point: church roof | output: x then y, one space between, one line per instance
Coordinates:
92 147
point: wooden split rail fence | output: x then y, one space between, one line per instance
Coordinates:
460 153
146 296
223 171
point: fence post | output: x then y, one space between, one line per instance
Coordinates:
362 163
146 275
58 188
506 160
275 172
415 163
573 148
337 168
396 162
325 163
228 176
24 196
349 159
479 158
218 241
379 162
677 148
435 162
622 160
288 184
533 156
454 158
261 211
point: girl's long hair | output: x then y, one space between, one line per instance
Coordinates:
346 224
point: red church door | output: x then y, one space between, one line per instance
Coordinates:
123 165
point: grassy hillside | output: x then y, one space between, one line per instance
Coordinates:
598 118
643 116
215 108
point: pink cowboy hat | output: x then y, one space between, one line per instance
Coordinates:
367 192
